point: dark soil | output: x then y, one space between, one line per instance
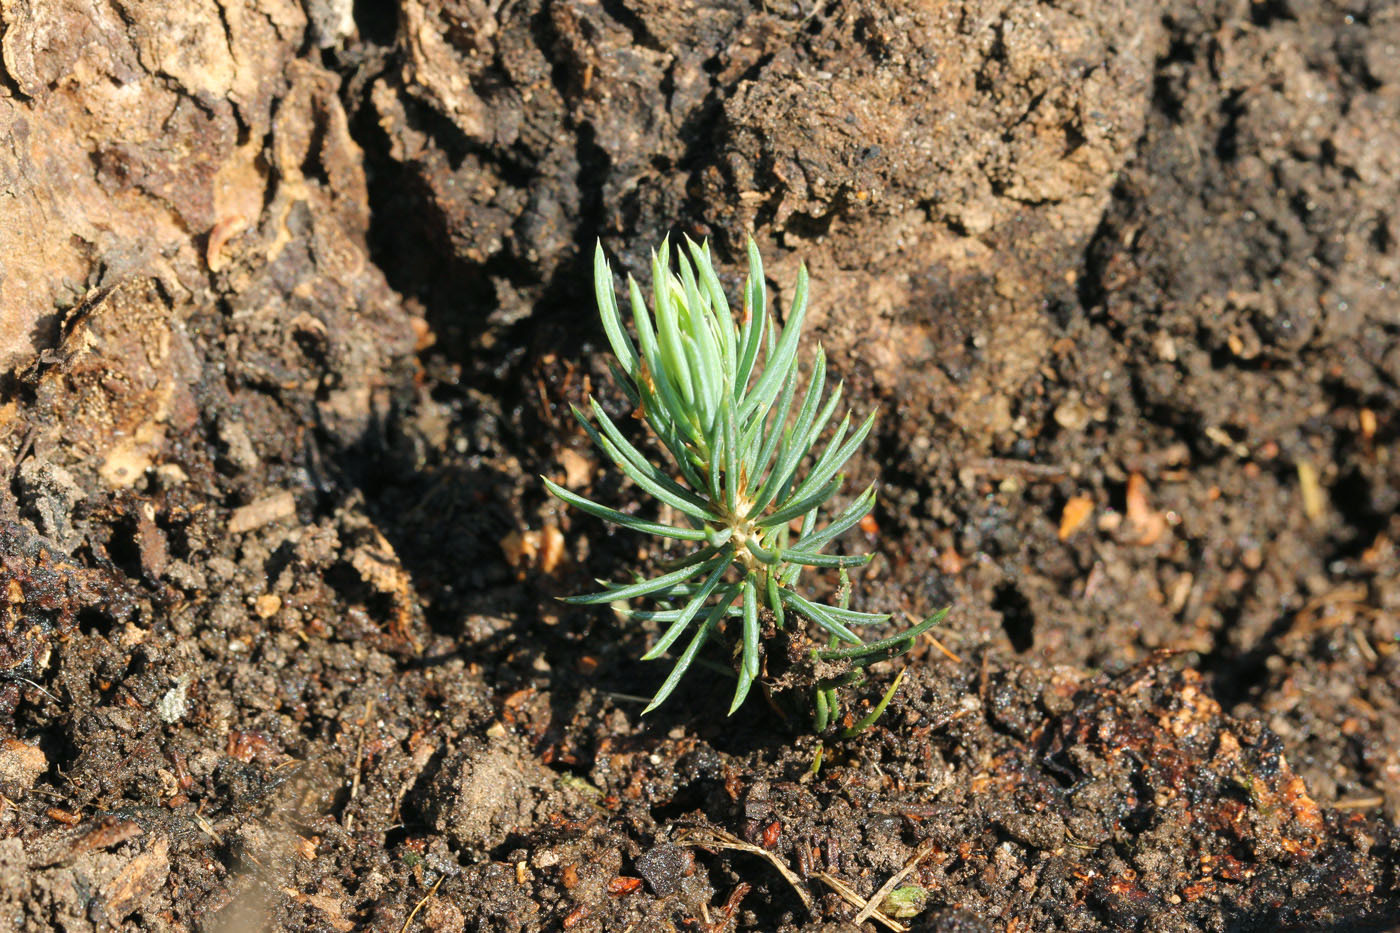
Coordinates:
295 298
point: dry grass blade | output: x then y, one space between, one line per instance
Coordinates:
947 652
708 838
855 900
879 896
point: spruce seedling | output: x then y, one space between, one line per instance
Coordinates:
750 459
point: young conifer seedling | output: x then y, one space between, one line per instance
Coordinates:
748 463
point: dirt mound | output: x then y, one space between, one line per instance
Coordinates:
295 298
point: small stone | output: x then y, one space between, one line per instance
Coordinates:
664 866
1072 414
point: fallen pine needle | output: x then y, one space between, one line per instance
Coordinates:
419 906
947 653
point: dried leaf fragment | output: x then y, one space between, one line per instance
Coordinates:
138 880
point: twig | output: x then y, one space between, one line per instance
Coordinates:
625 697
207 828
709 838
359 760
1003 466
419 905
855 900
879 896
1364 646
1358 803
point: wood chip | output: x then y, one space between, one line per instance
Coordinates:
1149 523
264 511
1314 500
139 879
67 817
378 565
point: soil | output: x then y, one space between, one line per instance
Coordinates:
296 296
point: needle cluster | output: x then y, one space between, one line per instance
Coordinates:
752 470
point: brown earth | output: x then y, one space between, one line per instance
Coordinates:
295 297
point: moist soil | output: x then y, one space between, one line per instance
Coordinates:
296 298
